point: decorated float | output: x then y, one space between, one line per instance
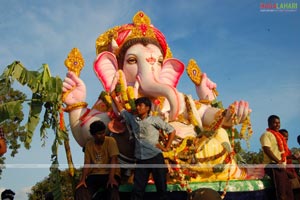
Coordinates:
202 156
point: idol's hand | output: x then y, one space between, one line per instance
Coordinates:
74 89
236 113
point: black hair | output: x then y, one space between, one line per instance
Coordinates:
97 126
205 193
283 131
144 100
49 196
271 118
8 194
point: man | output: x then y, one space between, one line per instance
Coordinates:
292 174
100 151
148 151
275 151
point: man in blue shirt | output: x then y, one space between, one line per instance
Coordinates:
148 150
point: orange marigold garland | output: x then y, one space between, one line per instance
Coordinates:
62 125
181 173
282 146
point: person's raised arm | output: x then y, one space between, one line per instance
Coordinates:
118 104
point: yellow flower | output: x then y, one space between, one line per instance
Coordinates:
130 92
127 106
108 99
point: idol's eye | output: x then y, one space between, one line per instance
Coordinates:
131 60
160 61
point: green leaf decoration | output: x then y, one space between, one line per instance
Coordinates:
217 104
9 110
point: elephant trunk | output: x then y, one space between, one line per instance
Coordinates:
150 86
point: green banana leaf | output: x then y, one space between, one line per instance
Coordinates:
9 109
46 98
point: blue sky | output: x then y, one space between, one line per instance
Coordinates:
251 55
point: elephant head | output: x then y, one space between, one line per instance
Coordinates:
143 66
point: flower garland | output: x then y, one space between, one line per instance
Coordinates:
183 176
123 91
246 127
131 100
218 119
281 144
229 158
127 95
105 97
156 109
214 157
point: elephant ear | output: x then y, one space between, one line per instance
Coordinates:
171 72
105 67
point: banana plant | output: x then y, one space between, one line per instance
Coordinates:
45 108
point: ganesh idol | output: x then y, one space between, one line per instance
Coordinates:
135 60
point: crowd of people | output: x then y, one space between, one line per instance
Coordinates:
101 169
103 150
277 157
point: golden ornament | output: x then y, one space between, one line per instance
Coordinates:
141 27
74 61
194 72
